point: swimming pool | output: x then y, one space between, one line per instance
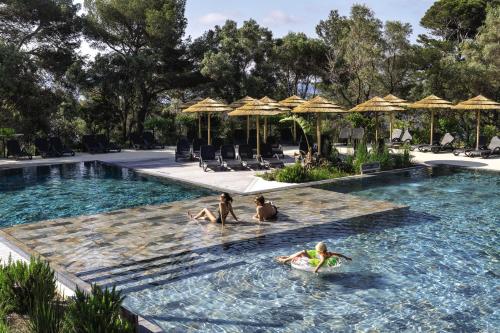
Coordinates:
47 192
434 267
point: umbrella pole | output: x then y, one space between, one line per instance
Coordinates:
265 129
209 139
199 125
258 136
248 129
376 128
318 132
432 127
478 118
391 125
294 132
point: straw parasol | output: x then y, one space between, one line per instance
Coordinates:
397 102
258 109
433 103
209 106
239 103
478 104
274 103
319 106
292 102
377 105
189 103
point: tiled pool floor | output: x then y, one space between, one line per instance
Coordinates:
135 247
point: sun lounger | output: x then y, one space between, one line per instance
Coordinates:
150 141
60 149
344 136
137 141
246 156
107 145
228 157
197 143
208 160
268 159
492 149
15 150
183 149
91 145
239 137
467 149
44 149
446 144
276 146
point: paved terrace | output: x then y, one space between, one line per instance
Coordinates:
140 247
161 163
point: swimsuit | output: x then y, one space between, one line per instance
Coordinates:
315 258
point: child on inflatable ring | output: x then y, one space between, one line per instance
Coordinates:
319 256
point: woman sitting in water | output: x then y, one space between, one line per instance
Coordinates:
320 253
265 211
225 207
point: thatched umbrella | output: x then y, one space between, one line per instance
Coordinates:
478 104
319 106
258 109
376 105
239 103
272 102
187 104
397 102
292 102
209 106
433 103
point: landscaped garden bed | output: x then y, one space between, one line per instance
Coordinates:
333 166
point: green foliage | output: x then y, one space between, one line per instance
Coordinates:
46 315
7 132
491 131
21 282
296 173
96 312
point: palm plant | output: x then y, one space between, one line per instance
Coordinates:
304 125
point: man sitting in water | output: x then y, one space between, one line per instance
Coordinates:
320 253
265 211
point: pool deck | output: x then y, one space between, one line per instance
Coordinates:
161 163
142 247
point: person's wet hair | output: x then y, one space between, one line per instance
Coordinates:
260 199
227 197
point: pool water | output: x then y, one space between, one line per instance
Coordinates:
432 267
48 192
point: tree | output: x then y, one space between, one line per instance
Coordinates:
398 62
300 61
147 34
456 20
354 53
46 30
238 60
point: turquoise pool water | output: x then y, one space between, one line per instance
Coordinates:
47 192
434 267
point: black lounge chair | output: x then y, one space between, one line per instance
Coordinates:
137 142
208 160
492 149
344 136
467 149
183 149
197 143
44 148
239 137
228 157
268 159
246 156
15 150
60 149
150 141
91 145
276 145
358 135
106 145
217 143
446 144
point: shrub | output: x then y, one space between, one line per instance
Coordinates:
98 311
298 174
20 282
46 315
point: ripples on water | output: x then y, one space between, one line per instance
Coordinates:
432 268
47 192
